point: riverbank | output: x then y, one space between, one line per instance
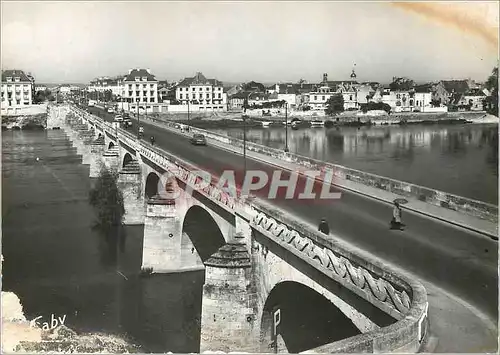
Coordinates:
21 335
31 122
402 120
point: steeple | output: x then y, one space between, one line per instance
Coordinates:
353 73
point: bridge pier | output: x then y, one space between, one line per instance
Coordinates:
111 159
229 303
164 241
96 159
129 182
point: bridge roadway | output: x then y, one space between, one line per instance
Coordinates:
454 259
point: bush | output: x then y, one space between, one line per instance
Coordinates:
107 199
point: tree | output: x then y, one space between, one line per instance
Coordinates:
335 104
107 199
491 102
108 95
401 84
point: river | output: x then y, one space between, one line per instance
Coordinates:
57 264
461 159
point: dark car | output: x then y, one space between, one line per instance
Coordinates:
198 139
127 122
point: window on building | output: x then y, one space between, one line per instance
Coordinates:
200 89
322 98
17 79
315 98
137 93
151 86
219 95
208 96
152 99
18 101
137 78
194 89
350 97
144 78
180 96
9 79
151 93
398 96
144 93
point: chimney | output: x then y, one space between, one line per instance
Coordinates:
130 71
325 77
148 70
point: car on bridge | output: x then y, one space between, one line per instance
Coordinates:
119 118
198 139
111 110
127 122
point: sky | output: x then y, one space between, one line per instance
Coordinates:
74 42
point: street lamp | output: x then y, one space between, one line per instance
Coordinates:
188 106
138 120
286 126
245 104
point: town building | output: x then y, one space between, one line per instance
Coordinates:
40 88
423 98
204 94
474 99
17 90
319 96
115 85
237 100
140 86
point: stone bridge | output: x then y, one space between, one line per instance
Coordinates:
261 267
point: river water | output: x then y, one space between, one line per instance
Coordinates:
459 159
57 264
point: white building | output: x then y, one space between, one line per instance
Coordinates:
16 89
140 86
115 85
319 97
204 94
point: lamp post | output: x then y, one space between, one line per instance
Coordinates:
286 126
138 120
245 104
188 106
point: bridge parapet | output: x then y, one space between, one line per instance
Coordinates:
397 295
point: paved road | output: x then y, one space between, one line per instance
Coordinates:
459 261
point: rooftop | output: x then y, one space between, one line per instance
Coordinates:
141 73
199 79
14 73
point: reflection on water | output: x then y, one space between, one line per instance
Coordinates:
460 159
58 264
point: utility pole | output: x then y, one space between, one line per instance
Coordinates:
286 126
138 120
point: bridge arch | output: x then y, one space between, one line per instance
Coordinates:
111 145
127 158
307 319
201 234
151 185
